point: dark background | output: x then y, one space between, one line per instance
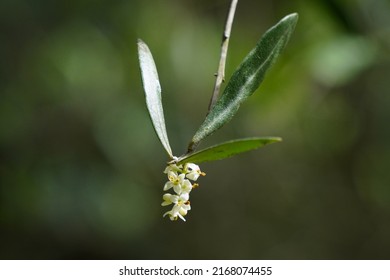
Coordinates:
81 168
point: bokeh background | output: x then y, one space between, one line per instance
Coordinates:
81 168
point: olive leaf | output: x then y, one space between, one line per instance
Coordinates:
152 90
247 78
227 149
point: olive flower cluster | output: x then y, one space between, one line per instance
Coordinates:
179 177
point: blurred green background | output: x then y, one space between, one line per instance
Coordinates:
81 168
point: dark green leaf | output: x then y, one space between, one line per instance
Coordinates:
247 78
227 149
152 90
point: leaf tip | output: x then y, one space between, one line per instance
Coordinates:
277 139
293 18
141 44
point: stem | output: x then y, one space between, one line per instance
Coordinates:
220 75
224 48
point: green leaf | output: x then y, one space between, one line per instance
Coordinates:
247 78
227 149
152 90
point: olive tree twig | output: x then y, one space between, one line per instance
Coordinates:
220 75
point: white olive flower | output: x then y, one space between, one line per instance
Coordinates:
168 199
193 172
178 183
176 199
173 168
186 186
179 210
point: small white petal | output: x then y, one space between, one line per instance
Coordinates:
181 217
166 203
184 197
177 188
193 167
193 176
183 210
167 199
167 196
168 185
174 198
175 210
